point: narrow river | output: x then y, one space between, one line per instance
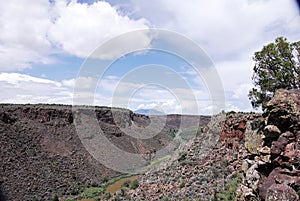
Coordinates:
112 188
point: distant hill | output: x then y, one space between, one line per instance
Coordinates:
149 112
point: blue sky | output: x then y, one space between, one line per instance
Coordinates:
44 45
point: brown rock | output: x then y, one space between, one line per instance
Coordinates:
281 192
278 146
284 109
242 126
278 176
272 131
254 139
290 152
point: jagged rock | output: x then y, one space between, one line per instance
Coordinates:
244 193
253 176
284 109
274 144
263 158
265 150
281 192
279 146
254 139
279 176
271 132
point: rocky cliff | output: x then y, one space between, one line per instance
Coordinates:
43 156
236 157
272 169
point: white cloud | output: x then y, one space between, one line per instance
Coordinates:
80 28
19 79
220 27
33 30
23 35
80 82
20 88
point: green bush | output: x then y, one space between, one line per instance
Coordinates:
230 189
74 192
107 196
126 184
182 185
92 192
55 198
166 198
134 184
182 156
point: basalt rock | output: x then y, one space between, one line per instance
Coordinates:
284 110
275 146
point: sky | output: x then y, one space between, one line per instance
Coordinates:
198 59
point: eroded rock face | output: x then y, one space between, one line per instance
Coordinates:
281 192
284 110
275 150
280 180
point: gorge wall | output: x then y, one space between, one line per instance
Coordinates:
42 154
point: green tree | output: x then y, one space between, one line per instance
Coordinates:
277 66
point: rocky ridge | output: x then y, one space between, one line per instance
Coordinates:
239 157
42 155
209 167
272 169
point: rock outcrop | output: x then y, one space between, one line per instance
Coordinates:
209 167
274 152
243 157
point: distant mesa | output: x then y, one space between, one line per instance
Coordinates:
149 112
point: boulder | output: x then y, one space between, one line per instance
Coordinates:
284 109
254 139
281 192
279 178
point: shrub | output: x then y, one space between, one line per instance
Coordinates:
55 198
166 198
134 184
182 185
74 192
230 189
182 156
126 183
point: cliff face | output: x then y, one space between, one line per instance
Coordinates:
42 154
239 157
272 170
207 168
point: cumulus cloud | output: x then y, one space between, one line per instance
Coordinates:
230 32
80 28
223 28
23 35
33 30
21 88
